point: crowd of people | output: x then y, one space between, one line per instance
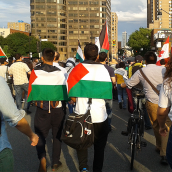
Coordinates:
156 106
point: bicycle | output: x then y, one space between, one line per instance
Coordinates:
135 128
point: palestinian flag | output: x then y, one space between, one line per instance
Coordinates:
47 83
79 54
90 80
102 41
2 54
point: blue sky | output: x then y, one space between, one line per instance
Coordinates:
131 14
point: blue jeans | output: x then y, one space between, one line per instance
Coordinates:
122 94
18 90
109 110
70 106
169 148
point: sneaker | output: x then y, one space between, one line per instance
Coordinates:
56 166
84 170
164 160
120 105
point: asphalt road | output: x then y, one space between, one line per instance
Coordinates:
117 152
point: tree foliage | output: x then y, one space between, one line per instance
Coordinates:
140 41
23 44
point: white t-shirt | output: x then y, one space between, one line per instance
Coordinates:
19 71
98 109
165 99
3 71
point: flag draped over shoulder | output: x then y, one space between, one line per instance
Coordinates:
47 83
2 54
102 41
79 54
164 54
90 80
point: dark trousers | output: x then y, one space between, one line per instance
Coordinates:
100 139
45 121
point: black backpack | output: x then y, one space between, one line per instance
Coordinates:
78 130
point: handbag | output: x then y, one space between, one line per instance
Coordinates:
153 87
78 131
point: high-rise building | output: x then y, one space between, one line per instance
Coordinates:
124 39
20 25
63 22
114 34
153 20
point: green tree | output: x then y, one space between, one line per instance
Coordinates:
2 41
140 41
6 50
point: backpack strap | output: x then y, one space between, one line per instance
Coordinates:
145 77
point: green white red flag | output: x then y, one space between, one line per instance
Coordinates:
2 54
91 81
102 41
47 84
79 54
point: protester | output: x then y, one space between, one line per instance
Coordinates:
19 71
70 64
165 110
162 62
15 118
155 74
103 60
35 61
98 114
55 63
48 117
4 68
122 94
128 65
137 66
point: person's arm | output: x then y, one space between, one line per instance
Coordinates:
29 72
73 99
134 80
113 79
12 115
24 128
163 110
27 69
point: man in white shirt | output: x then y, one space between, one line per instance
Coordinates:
155 75
19 71
99 119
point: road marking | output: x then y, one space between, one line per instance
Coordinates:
138 166
119 118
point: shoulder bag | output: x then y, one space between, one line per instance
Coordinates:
78 130
153 87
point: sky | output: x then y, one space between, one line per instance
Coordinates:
131 14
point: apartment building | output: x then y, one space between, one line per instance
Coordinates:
20 25
63 22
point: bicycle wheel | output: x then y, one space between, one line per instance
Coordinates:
133 146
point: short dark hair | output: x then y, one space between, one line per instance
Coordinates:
162 62
102 56
17 56
48 54
150 57
91 52
57 56
2 60
128 61
122 65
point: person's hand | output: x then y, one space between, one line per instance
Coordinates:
71 102
34 139
163 131
114 87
